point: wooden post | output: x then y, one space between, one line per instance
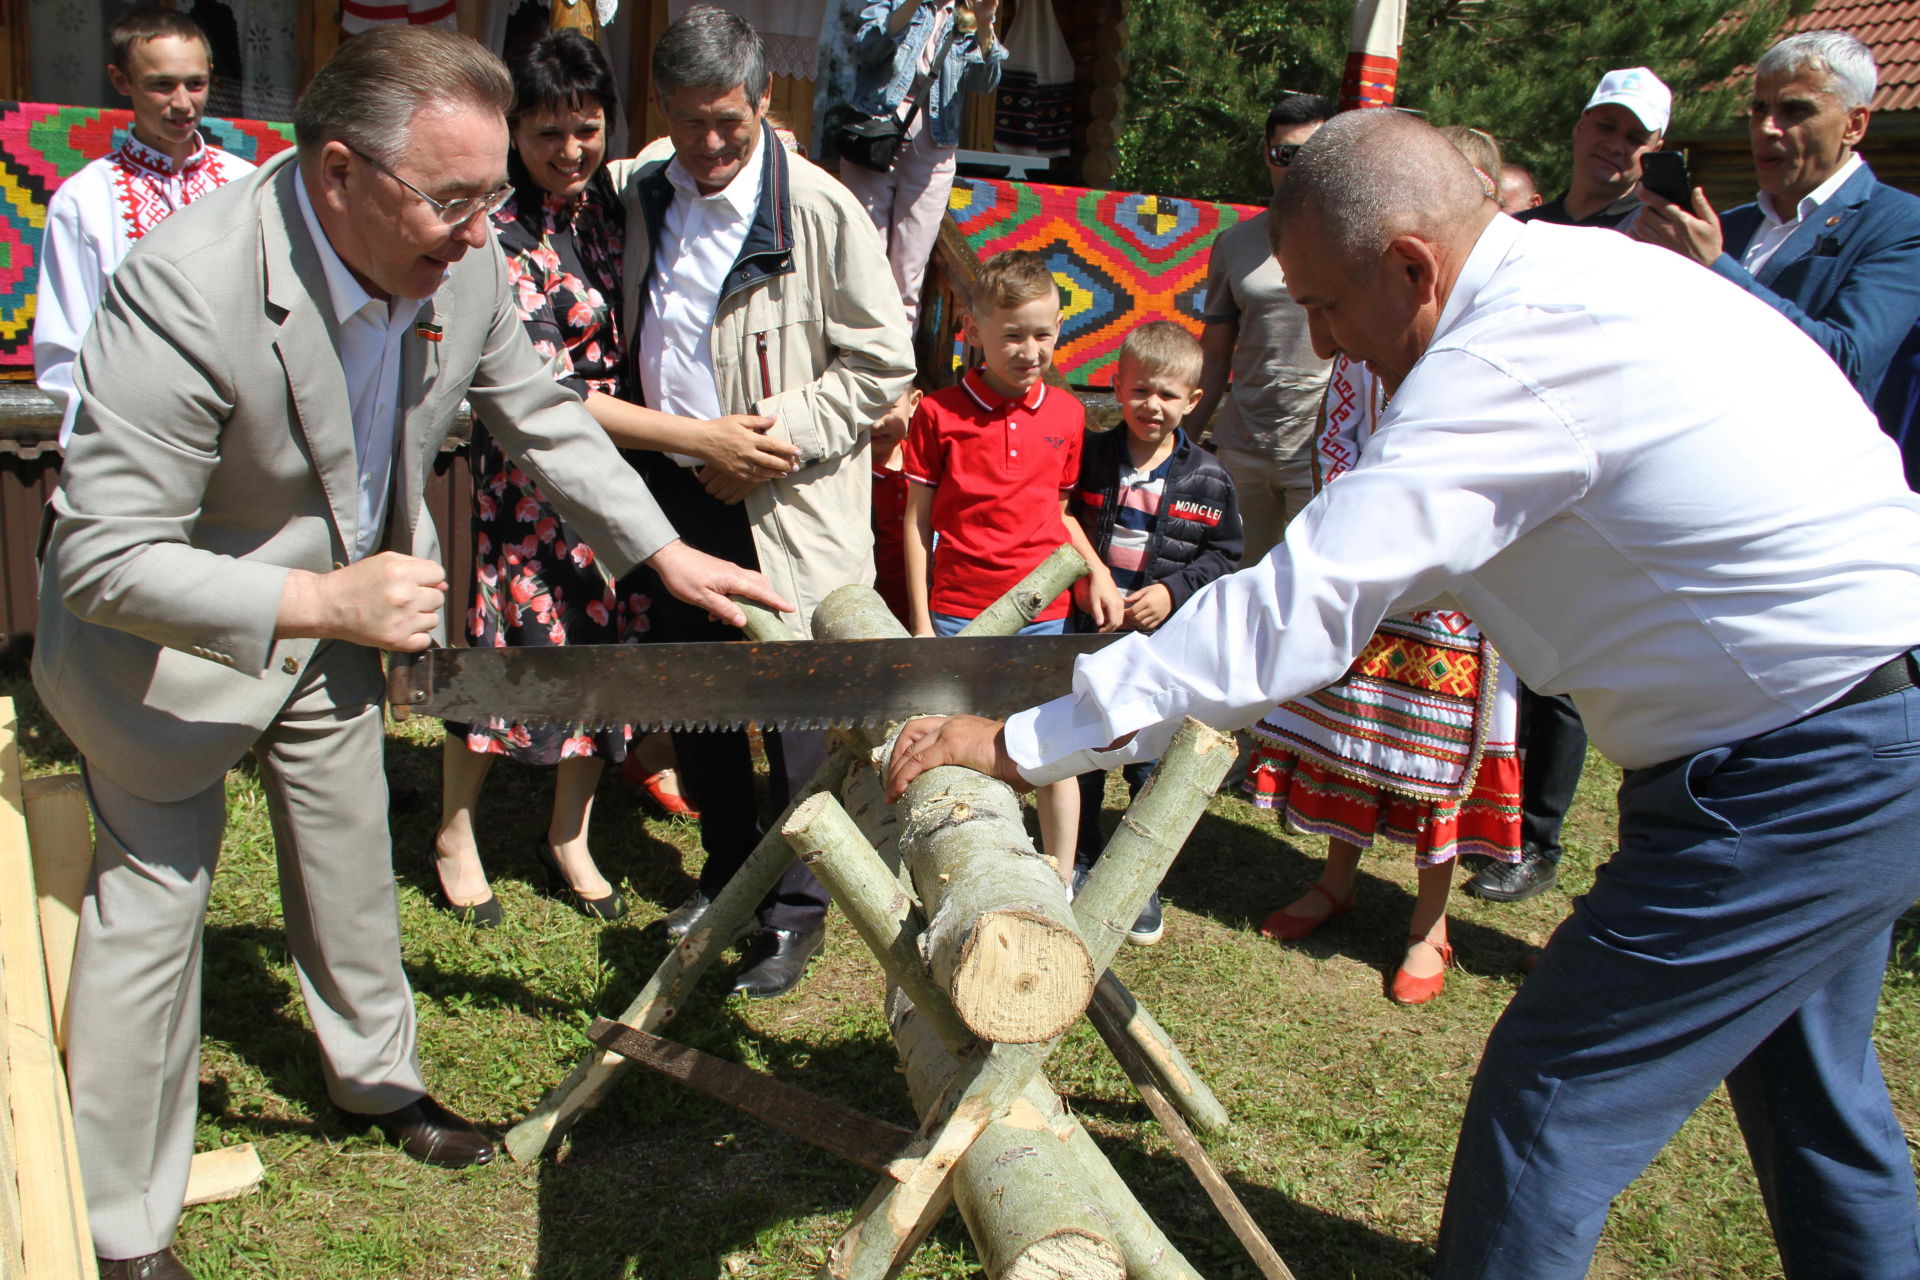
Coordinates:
1124 1017
53 1209
1023 603
61 836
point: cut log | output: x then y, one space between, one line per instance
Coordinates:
982 1088
1000 935
224 1173
856 613
61 836
1120 1014
1023 603
1019 1187
898 1214
53 1210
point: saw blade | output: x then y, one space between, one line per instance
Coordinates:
799 684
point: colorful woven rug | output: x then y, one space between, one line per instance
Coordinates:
41 146
1121 258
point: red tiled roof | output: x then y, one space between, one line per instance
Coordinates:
1891 28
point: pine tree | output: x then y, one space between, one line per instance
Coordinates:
1205 72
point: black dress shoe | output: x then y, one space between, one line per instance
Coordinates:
681 918
1516 881
432 1134
608 906
775 961
148 1266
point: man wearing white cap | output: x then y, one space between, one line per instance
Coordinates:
1622 121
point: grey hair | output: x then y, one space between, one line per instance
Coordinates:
709 48
1368 176
1846 63
367 94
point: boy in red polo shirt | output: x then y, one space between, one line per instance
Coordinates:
991 463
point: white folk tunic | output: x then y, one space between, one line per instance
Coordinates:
94 218
1650 489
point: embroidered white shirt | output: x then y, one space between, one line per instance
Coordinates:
1602 457
700 240
371 330
94 218
1773 232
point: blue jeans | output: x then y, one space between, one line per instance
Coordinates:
947 624
1740 934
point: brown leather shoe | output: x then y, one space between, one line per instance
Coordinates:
432 1134
148 1266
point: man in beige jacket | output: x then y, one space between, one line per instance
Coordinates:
238 532
756 284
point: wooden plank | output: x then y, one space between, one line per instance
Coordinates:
224 1173
12 1230
61 836
57 1242
854 1135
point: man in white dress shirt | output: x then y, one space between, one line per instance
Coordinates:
756 285
1600 454
162 62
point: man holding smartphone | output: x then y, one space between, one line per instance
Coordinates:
1824 243
1622 121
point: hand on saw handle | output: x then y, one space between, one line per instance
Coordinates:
971 741
706 581
386 601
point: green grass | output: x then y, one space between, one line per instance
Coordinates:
1344 1105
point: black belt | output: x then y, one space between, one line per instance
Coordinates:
1891 676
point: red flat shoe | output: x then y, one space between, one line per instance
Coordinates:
651 783
1408 989
1285 927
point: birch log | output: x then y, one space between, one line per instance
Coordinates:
903 1208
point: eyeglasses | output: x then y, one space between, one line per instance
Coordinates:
452 213
1283 153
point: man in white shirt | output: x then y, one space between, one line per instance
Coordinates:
1823 242
162 62
1601 456
755 284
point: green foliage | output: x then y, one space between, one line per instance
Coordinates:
1205 72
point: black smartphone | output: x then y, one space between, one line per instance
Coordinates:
1665 174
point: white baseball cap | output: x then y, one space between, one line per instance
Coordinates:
1639 91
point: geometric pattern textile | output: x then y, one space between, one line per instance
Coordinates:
1121 258
41 146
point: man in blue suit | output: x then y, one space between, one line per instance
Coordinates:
1825 243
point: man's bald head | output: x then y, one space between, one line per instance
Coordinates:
1369 176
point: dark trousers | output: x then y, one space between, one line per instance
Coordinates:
1093 791
1740 934
716 769
1555 743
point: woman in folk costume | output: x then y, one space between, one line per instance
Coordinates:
1415 745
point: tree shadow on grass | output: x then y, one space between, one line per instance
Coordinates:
1238 874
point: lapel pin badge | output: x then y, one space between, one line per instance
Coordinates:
1834 221
429 331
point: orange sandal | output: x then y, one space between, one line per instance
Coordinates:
1282 926
654 784
1407 989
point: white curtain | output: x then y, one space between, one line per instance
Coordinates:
789 28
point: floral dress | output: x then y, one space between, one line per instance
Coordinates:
535 584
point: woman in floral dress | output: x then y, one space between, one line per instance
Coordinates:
535 584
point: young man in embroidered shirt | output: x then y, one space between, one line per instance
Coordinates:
1160 512
991 463
160 60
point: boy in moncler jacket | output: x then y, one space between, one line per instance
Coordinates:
1160 511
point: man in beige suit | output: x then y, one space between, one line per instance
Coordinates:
237 533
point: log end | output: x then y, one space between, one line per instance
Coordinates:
1071 1254
1021 977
